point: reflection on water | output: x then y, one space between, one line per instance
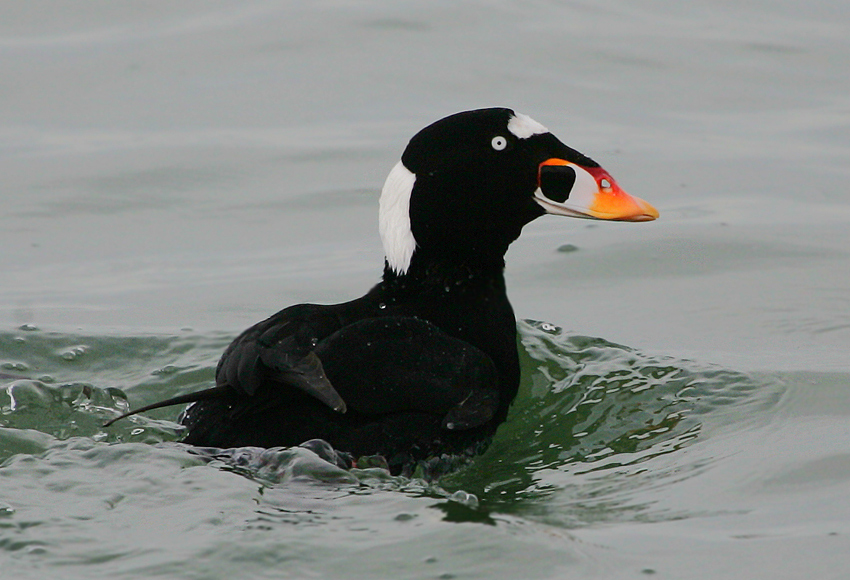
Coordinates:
586 409
599 433
590 418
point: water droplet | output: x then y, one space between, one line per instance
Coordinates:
74 352
28 327
470 500
14 366
381 305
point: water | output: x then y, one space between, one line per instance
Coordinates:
175 172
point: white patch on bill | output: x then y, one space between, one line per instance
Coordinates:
394 218
579 201
524 126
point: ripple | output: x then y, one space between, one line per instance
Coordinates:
69 410
591 416
594 427
79 381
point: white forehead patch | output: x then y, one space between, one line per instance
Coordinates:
394 218
524 126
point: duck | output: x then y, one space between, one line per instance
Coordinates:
425 364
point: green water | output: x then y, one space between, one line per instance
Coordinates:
601 437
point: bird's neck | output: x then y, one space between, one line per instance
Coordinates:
447 274
466 299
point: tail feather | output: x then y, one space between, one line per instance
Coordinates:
205 395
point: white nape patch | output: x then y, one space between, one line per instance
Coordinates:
524 126
394 218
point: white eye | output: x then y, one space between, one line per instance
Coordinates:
499 142
605 183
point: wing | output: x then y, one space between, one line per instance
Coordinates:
278 350
281 350
374 366
400 364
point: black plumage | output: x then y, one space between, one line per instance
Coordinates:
426 362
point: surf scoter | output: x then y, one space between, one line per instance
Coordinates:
426 362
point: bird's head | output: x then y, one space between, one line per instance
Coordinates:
468 183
